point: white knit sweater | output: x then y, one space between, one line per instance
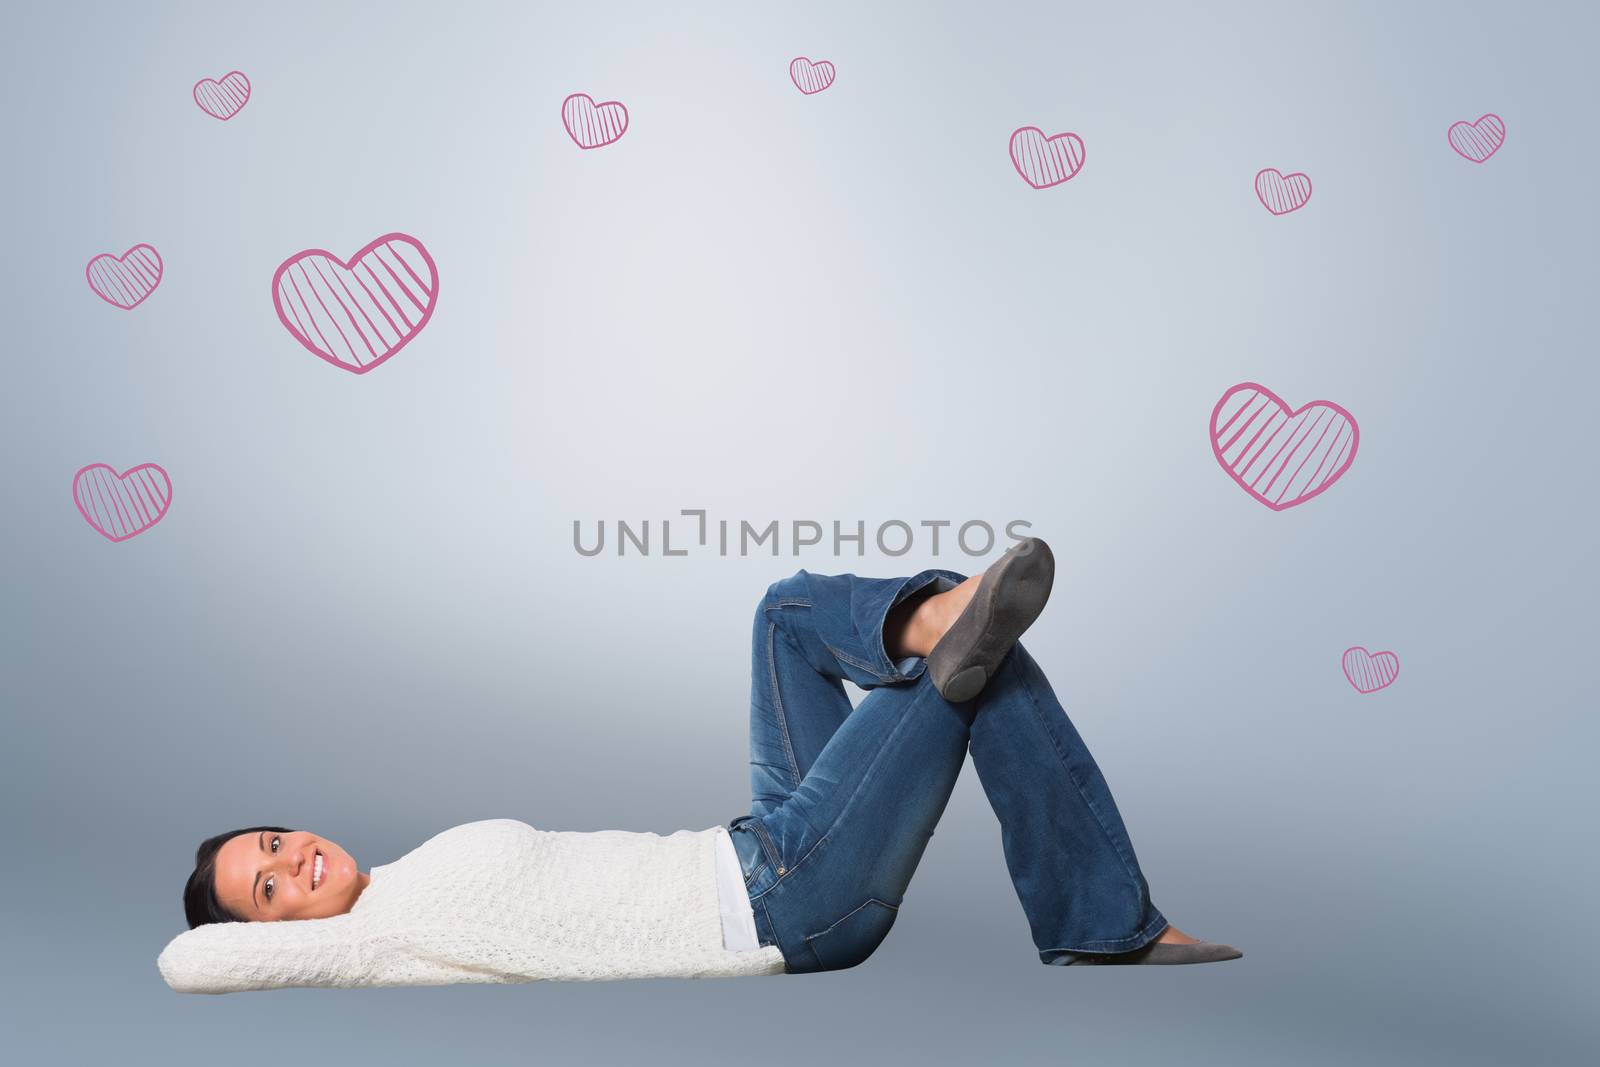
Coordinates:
493 901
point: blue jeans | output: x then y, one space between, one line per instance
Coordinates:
844 801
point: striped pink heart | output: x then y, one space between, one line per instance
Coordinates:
124 281
1479 140
1281 457
592 125
358 312
1045 161
122 505
811 77
224 97
1370 671
1282 193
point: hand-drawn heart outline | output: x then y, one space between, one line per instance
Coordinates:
125 278
826 73
431 289
223 97
1290 417
1286 184
1076 155
599 108
1372 666
1471 136
130 507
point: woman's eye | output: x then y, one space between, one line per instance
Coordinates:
269 888
275 841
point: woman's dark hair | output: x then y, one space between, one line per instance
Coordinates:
200 903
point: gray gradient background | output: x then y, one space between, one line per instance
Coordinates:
364 616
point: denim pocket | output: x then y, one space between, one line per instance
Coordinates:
851 939
758 856
752 857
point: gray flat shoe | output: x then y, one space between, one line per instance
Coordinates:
1160 952
1012 594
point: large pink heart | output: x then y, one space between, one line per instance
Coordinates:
358 312
811 77
592 125
123 505
222 98
1045 161
1479 140
1370 671
124 281
1282 193
1281 457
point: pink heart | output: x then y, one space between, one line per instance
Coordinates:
123 505
592 125
1282 193
1370 671
1479 140
1045 161
811 77
124 281
1281 457
223 98
358 312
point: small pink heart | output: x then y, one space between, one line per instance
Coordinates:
123 505
1282 193
1045 161
224 97
1479 140
811 77
1281 457
592 125
1370 671
356 313
124 281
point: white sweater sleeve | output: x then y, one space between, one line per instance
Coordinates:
233 957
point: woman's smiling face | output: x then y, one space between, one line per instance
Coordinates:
267 876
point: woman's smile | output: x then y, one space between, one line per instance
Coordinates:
289 874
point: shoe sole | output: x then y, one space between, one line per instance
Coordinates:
1164 953
1010 597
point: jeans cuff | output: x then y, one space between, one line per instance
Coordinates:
890 670
1152 930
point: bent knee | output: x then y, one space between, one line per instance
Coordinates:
791 589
